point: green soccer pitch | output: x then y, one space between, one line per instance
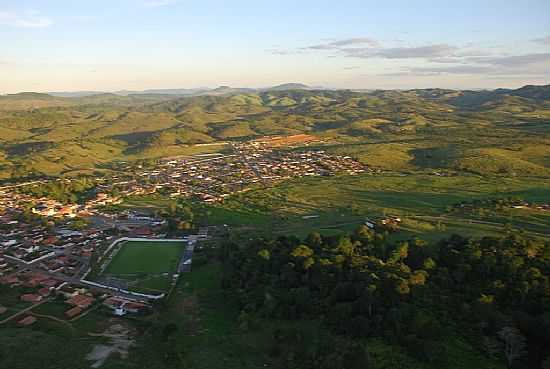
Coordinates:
146 257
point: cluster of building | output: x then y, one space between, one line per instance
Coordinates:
45 256
45 261
38 288
534 206
51 208
385 223
46 207
46 245
212 177
207 177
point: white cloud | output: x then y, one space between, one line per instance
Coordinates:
514 60
516 65
459 69
440 59
345 42
27 20
276 51
428 51
364 47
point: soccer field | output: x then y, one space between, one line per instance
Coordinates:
143 257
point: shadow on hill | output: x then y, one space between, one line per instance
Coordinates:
135 137
434 157
29 148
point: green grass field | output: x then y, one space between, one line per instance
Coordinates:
143 257
54 308
335 205
341 203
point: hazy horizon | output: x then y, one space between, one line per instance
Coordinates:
155 90
52 46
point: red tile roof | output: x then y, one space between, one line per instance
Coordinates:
31 297
50 240
143 231
71 313
52 282
10 279
28 320
45 291
35 279
113 302
81 301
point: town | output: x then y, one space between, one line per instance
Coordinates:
49 248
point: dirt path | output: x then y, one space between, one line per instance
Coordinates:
120 341
190 307
19 313
52 318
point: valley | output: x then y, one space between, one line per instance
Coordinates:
269 199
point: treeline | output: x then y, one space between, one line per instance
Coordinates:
492 292
179 217
498 204
67 192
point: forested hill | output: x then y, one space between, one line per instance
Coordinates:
500 131
468 303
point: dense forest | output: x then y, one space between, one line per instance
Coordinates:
493 293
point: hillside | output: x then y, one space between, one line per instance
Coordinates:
501 132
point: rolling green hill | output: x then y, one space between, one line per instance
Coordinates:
501 132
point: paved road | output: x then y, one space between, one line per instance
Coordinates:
75 280
187 258
35 268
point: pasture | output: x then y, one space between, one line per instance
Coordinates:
335 205
341 203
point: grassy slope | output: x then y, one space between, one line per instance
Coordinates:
487 133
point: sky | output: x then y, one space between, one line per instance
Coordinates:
108 45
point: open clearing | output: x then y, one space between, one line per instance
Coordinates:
144 266
142 257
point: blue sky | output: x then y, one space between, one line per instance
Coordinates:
53 45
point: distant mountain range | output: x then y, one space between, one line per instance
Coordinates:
529 92
222 90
